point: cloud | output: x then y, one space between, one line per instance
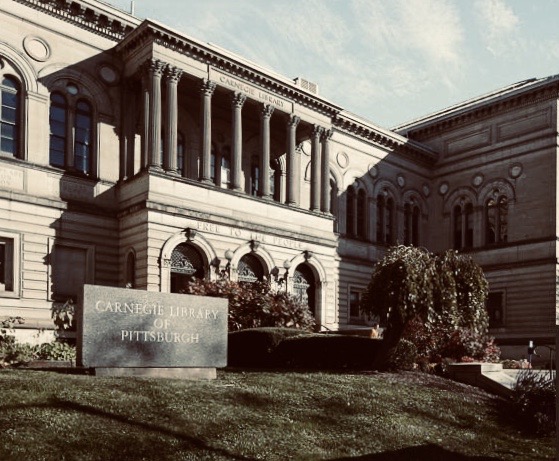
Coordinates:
498 25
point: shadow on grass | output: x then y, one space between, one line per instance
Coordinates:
430 452
86 409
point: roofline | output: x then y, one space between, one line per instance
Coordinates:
495 97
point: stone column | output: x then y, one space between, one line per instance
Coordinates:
265 116
145 121
237 102
325 172
155 71
315 167
292 173
207 88
172 77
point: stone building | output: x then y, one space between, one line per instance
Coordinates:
134 155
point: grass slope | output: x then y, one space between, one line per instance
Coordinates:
255 415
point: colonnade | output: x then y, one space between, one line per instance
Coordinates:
156 73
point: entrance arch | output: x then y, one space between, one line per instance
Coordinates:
187 263
304 286
250 269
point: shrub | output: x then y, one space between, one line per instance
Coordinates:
253 305
404 357
256 347
56 350
327 352
534 402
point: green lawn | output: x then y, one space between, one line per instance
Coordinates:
255 415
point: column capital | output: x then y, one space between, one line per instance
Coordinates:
173 74
317 131
326 134
207 87
237 100
293 120
267 110
155 66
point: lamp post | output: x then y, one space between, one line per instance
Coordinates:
227 270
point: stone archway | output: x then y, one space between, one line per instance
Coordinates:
304 286
187 263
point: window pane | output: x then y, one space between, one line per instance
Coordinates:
350 215
9 82
491 221
380 219
389 221
415 226
6 264
503 219
57 124
469 211
362 214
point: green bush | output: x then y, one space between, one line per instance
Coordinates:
404 357
256 347
327 352
56 350
534 401
254 305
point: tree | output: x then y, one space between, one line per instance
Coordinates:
401 288
435 301
253 305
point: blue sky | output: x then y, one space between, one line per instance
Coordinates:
389 61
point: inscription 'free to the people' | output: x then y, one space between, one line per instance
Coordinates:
121 327
162 320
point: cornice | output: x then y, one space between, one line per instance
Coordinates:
150 31
95 17
526 97
387 140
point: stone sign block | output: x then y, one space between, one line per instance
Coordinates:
120 327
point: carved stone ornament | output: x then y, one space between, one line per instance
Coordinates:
515 170
477 180
443 188
373 170
36 48
401 180
342 159
426 190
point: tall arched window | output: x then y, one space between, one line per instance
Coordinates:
9 115
350 211
496 220
362 214
225 167
334 202
82 136
463 225
385 219
411 224
71 131
57 122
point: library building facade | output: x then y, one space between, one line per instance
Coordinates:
132 155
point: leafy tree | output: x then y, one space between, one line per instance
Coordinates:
401 288
253 305
439 301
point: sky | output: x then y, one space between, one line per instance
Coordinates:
388 61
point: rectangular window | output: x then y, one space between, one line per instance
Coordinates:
354 311
494 305
9 265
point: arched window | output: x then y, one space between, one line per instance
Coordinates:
71 131
463 225
350 211
57 122
9 116
496 220
82 137
411 224
362 214
385 219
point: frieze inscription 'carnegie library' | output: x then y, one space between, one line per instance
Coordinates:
134 328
